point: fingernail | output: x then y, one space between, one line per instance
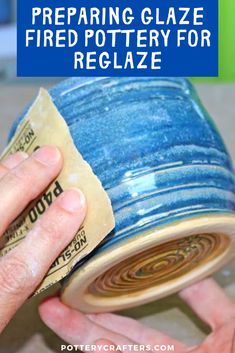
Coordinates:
48 155
72 200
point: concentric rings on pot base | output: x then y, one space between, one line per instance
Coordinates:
152 266
159 264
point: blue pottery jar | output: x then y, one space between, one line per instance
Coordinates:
170 179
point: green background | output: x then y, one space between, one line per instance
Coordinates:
227 40
226 43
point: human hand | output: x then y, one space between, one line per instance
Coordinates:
22 179
206 298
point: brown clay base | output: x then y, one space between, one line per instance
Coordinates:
153 265
159 264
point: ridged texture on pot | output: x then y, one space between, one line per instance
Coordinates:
155 149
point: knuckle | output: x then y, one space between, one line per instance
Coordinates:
3 169
51 228
25 179
15 179
15 276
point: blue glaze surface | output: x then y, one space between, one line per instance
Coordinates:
153 146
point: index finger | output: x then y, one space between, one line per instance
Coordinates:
24 267
22 184
11 162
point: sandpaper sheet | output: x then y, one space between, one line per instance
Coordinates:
43 125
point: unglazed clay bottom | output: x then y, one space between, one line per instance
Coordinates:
159 265
171 182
